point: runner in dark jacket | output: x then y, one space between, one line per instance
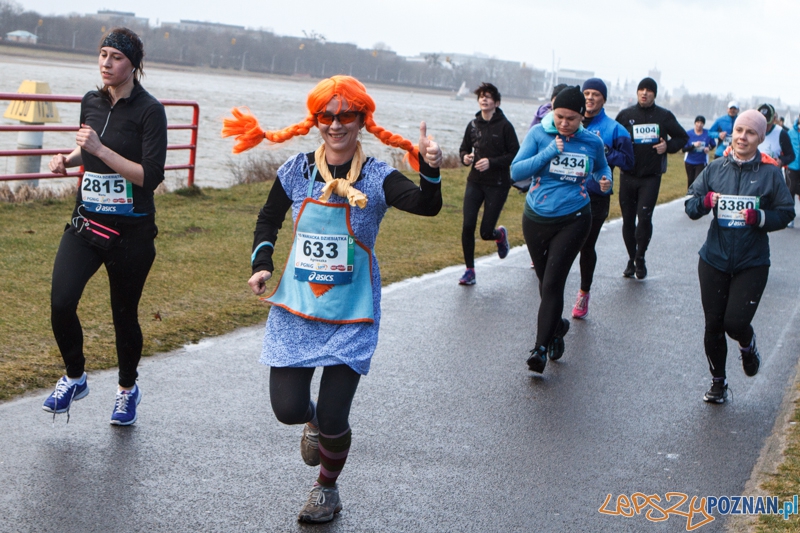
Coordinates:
655 132
490 144
748 199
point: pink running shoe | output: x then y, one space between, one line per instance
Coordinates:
581 308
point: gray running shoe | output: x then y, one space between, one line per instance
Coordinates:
718 392
309 445
322 505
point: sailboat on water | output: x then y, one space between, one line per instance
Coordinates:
462 91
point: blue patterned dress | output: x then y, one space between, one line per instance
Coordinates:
293 341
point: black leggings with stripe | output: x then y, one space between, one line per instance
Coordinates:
730 302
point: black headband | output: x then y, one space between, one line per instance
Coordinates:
123 43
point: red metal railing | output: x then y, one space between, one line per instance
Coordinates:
192 146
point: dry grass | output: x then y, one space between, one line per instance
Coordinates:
256 167
785 483
449 161
26 193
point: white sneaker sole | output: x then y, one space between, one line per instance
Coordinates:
82 395
135 417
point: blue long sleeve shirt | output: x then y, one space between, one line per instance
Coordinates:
695 155
560 179
723 123
618 145
794 136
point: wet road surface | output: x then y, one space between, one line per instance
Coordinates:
451 432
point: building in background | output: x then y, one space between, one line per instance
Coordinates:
119 17
21 36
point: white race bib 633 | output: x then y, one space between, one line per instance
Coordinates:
326 259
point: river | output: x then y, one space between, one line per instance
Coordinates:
276 102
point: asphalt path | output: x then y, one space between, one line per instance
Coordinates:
451 432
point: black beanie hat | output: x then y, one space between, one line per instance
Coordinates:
571 98
557 89
648 83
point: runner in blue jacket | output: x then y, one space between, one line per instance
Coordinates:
722 128
619 153
793 170
563 159
696 151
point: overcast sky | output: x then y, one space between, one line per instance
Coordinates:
743 47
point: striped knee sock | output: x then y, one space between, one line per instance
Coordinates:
333 452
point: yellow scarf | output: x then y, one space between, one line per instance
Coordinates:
342 186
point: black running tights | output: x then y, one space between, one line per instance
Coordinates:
493 199
553 249
637 199
729 304
290 395
793 181
692 171
127 263
600 206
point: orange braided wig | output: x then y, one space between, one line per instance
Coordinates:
244 126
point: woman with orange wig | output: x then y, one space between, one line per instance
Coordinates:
326 307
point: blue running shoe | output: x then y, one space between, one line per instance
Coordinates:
468 278
502 242
125 407
64 394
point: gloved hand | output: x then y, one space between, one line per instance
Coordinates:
751 217
709 200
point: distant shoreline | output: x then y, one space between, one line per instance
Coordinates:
16 52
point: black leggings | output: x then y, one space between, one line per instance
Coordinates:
637 199
290 395
793 181
729 303
692 171
493 199
600 206
553 248
127 263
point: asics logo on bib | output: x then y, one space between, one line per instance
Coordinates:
320 277
110 208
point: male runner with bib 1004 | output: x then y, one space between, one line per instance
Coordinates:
655 133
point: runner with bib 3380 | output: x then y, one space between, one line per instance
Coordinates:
749 199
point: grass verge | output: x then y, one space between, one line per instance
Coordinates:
197 287
784 483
